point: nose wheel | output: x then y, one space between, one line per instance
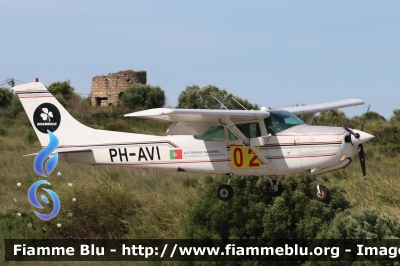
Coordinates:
321 193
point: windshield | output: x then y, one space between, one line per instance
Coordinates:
280 120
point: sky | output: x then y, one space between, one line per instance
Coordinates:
273 53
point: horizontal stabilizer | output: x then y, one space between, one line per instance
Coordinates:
63 151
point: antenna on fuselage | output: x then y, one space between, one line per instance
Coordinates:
239 103
221 103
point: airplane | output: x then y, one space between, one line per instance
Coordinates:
260 143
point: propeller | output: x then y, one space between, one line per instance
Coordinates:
356 135
360 146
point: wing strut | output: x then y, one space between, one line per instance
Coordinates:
246 142
237 132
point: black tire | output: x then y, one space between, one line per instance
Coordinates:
274 193
225 192
323 195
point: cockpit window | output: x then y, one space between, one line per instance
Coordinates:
213 133
280 120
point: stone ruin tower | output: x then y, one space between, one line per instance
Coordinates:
108 90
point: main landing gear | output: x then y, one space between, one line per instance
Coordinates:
275 188
321 193
225 192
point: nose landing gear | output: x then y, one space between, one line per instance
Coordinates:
321 193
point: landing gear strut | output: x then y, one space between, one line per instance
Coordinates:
321 193
225 192
275 188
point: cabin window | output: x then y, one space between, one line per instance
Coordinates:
280 120
211 134
251 130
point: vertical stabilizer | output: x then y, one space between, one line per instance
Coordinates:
46 113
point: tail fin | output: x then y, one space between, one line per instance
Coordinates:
46 113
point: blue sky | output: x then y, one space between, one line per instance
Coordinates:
274 53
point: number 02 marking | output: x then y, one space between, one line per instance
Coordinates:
238 157
253 162
242 157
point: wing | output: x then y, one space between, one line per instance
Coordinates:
315 108
199 115
200 119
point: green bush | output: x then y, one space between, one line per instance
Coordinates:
396 115
16 107
3 131
31 136
371 115
120 126
13 226
63 88
333 117
6 97
252 214
60 98
143 96
195 98
386 135
367 223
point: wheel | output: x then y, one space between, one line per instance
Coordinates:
225 192
322 195
273 192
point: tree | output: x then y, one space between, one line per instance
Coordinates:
190 98
332 117
10 101
366 223
60 98
396 115
63 88
6 97
371 115
143 96
16 107
205 98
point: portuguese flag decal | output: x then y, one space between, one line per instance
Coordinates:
175 154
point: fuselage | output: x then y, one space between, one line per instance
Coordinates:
298 149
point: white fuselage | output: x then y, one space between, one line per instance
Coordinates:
297 149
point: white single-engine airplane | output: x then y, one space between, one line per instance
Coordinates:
233 142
